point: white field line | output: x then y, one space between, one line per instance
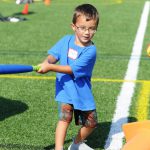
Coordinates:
115 137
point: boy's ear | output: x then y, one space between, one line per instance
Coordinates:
72 26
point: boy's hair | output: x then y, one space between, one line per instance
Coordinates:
88 10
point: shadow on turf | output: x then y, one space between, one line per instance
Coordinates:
20 147
20 14
15 16
51 147
10 108
99 136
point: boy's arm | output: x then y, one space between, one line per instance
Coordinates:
50 59
49 65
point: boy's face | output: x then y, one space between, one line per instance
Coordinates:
84 30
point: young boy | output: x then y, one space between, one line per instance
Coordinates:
76 55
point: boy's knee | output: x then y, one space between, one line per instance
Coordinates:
91 119
66 113
92 124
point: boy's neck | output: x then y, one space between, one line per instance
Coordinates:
83 44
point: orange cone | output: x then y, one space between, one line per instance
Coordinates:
47 2
25 10
131 129
141 141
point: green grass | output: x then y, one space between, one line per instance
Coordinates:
28 112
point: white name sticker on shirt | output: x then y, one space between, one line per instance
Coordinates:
73 54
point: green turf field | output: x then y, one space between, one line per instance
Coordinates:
28 112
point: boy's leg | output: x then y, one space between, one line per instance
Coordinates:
83 133
60 134
88 120
65 117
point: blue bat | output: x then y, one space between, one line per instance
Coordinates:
16 68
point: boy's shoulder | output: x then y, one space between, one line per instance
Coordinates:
68 36
65 39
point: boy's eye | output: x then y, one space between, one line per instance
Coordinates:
83 29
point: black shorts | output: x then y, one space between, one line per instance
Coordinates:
84 118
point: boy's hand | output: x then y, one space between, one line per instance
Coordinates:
44 67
